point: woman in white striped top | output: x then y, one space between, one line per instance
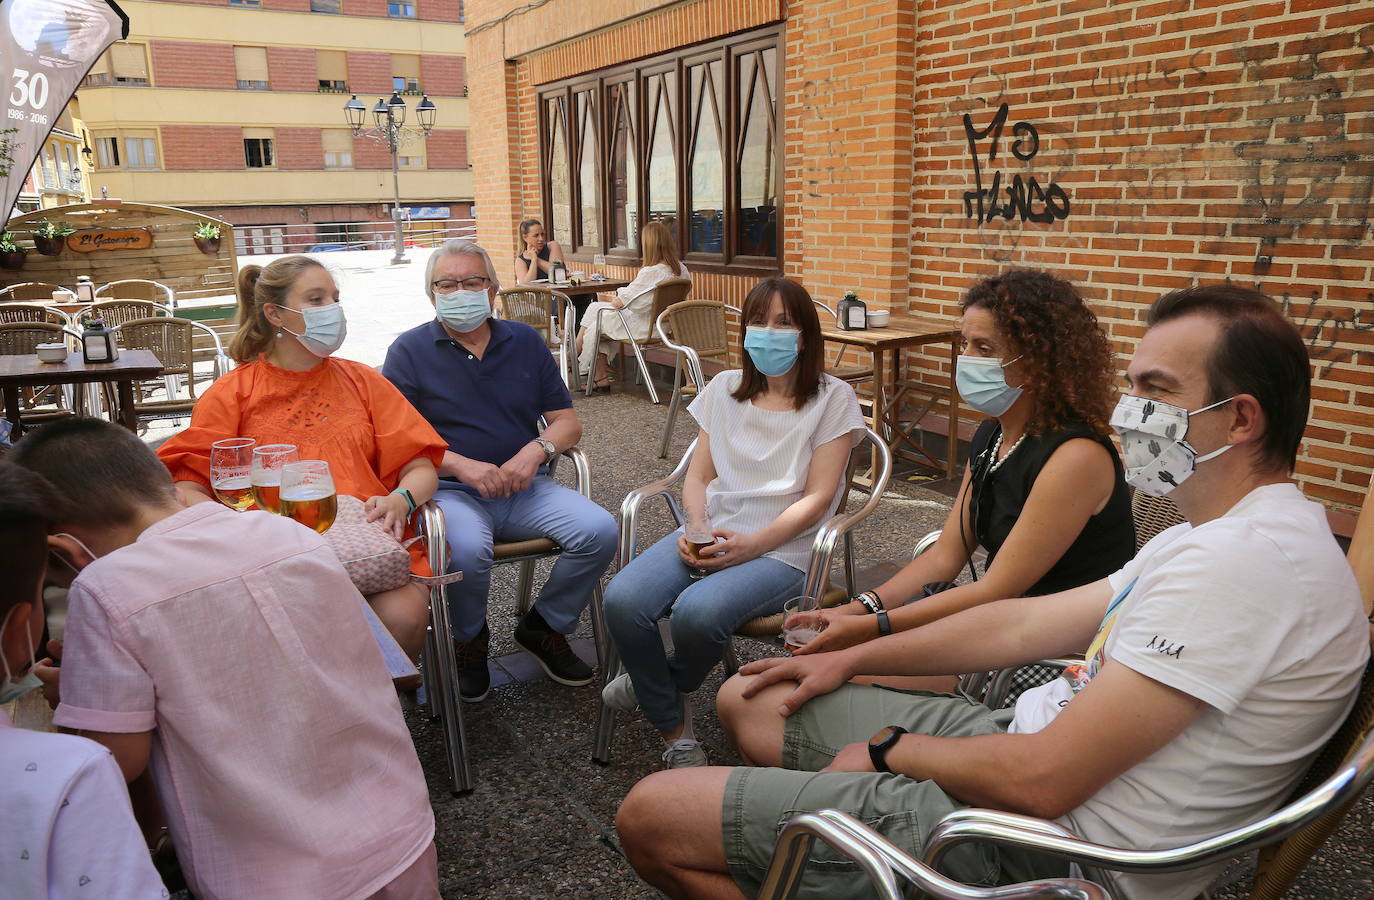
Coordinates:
770 455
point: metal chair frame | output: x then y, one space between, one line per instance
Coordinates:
439 666
121 311
559 325
157 287
660 303
684 352
823 547
172 407
41 290
883 863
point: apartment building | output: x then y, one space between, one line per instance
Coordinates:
235 109
60 176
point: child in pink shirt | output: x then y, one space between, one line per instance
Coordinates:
69 830
227 652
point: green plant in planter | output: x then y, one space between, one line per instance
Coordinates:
7 243
207 230
53 229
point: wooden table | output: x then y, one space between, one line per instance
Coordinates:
28 371
886 345
586 287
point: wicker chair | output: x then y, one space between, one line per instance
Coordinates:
11 313
666 293
1152 515
117 312
548 312
695 330
22 339
170 340
31 290
817 583
138 289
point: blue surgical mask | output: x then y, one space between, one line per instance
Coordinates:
983 384
325 328
773 350
12 689
463 311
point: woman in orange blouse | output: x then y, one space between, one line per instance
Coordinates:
288 389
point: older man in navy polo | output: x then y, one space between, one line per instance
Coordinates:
483 383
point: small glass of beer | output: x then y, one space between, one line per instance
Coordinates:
267 462
307 494
230 460
700 538
801 622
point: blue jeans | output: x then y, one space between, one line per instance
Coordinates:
585 531
705 614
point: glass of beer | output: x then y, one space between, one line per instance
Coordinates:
230 460
307 494
700 538
267 463
801 622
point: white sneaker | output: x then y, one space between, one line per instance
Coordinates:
684 753
620 694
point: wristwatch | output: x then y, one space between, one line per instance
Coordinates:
410 500
550 451
884 624
880 743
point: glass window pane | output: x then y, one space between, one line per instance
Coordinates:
624 174
560 190
149 152
757 157
707 183
661 201
132 156
589 197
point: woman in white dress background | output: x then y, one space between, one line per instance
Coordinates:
636 300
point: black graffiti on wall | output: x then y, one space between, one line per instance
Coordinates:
1025 198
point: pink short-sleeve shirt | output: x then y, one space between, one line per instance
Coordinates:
279 751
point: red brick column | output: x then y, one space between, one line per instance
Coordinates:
186 64
292 69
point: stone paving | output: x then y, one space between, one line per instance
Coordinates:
540 822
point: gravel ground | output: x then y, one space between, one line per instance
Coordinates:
541 820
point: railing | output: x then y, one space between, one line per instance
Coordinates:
378 235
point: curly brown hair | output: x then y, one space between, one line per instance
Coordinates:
1065 355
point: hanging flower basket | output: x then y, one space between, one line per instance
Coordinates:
48 246
208 246
13 259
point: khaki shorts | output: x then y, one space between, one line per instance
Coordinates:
758 802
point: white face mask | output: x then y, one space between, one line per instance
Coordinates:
1157 458
12 689
325 328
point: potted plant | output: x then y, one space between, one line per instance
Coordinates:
11 254
207 238
49 237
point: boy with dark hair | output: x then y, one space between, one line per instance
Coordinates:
228 652
69 830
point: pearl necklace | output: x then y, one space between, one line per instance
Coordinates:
997 463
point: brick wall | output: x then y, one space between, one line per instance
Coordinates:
299 148
202 147
370 154
438 10
442 76
1157 143
369 73
185 64
447 148
364 7
292 69
287 5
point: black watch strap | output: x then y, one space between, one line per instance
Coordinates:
884 624
880 743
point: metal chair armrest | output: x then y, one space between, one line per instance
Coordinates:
223 364
882 862
582 467
629 507
926 542
829 534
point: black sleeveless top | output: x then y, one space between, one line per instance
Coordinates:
1107 541
542 254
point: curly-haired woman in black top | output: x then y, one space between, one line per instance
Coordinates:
1043 492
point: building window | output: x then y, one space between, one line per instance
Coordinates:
140 152
691 139
331 68
410 162
338 148
338 159
257 153
405 85
405 73
126 64
401 10
325 6
250 64
333 87
253 3
107 152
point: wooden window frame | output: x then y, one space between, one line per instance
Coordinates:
729 51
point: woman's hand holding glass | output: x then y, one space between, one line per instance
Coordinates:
730 549
392 510
839 627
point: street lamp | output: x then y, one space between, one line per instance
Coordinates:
389 117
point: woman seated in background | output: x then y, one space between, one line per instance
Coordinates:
1043 492
289 389
539 253
770 456
636 300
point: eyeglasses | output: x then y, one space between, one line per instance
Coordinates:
471 283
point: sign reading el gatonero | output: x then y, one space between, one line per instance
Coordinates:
46 48
110 239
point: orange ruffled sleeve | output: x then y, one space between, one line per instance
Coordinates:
401 433
216 416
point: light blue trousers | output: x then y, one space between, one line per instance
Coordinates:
585 531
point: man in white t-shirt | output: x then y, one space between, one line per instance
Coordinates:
1218 661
